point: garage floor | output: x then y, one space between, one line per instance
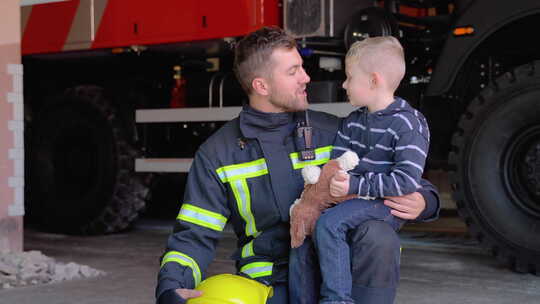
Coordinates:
439 265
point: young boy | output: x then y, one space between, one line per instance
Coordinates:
391 140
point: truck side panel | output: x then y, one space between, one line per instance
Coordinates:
85 24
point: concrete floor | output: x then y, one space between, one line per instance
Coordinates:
435 269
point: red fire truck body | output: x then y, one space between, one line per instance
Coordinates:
97 24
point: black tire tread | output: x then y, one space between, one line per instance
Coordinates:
475 111
130 192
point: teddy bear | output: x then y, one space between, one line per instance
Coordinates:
316 197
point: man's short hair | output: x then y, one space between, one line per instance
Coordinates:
383 55
252 54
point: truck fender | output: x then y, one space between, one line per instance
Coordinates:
486 17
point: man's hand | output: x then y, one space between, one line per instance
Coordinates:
339 184
407 207
188 293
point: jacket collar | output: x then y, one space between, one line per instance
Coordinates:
254 123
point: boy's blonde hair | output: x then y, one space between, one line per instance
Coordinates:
383 55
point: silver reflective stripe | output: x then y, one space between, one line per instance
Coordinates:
202 217
247 250
257 269
243 201
322 156
184 260
236 175
241 171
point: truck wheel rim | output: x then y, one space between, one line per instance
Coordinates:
521 168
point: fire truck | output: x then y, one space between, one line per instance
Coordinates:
119 93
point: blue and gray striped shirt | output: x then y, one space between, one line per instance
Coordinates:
392 145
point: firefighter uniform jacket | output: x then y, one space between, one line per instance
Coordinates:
248 174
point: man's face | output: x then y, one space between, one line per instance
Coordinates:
287 82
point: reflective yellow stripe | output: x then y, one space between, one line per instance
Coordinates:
236 176
247 250
243 202
322 156
202 217
257 269
235 172
184 260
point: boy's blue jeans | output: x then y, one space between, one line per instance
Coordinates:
359 268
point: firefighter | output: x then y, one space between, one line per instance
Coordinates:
248 174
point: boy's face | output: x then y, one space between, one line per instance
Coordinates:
288 81
359 85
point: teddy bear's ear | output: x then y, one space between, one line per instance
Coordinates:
311 174
348 160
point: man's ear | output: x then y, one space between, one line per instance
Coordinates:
260 86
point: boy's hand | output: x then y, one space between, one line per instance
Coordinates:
339 184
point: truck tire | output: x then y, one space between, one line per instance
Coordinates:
495 164
81 167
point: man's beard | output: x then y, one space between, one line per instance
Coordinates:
289 104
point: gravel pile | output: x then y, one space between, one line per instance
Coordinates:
32 268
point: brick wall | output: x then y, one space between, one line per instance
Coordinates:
11 129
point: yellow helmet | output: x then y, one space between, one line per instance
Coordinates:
231 289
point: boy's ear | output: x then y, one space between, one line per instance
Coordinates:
374 80
260 86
